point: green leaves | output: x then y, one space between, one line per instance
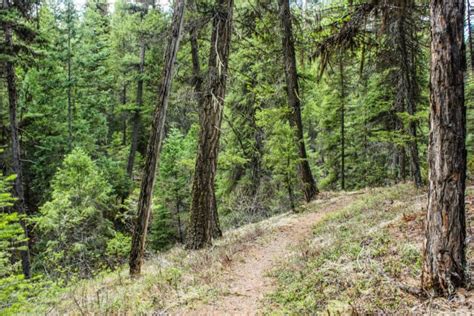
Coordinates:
74 218
173 188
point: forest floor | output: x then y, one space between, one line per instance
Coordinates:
247 280
346 253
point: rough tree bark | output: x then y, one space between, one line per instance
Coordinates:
19 192
198 82
444 254
309 185
155 142
136 119
203 210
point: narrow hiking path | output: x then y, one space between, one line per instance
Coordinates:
247 281
274 266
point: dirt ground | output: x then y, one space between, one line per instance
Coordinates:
247 280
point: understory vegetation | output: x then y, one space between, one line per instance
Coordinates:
365 259
360 259
173 136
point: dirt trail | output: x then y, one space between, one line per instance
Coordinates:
247 280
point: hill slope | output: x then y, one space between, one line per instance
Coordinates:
345 253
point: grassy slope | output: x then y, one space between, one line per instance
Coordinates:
351 264
175 278
359 256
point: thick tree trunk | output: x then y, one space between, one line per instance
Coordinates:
399 160
198 81
19 193
204 220
136 119
444 257
309 185
155 142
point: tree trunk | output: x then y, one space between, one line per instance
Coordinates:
19 194
399 149
402 161
198 81
309 185
194 33
289 186
155 142
256 156
469 28
124 115
409 84
136 119
444 257
343 112
204 220
178 220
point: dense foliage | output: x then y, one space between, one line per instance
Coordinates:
87 79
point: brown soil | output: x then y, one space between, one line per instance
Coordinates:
247 281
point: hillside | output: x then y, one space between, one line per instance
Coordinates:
355 252
210 156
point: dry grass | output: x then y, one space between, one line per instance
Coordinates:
354 263
175 278
359 259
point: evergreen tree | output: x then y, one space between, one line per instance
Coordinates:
308 184
94 91
73 226
16 37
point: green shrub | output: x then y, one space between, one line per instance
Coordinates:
72 226
118 249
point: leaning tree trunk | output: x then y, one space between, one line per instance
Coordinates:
309 185
19 192
154 143
203 210
444 257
